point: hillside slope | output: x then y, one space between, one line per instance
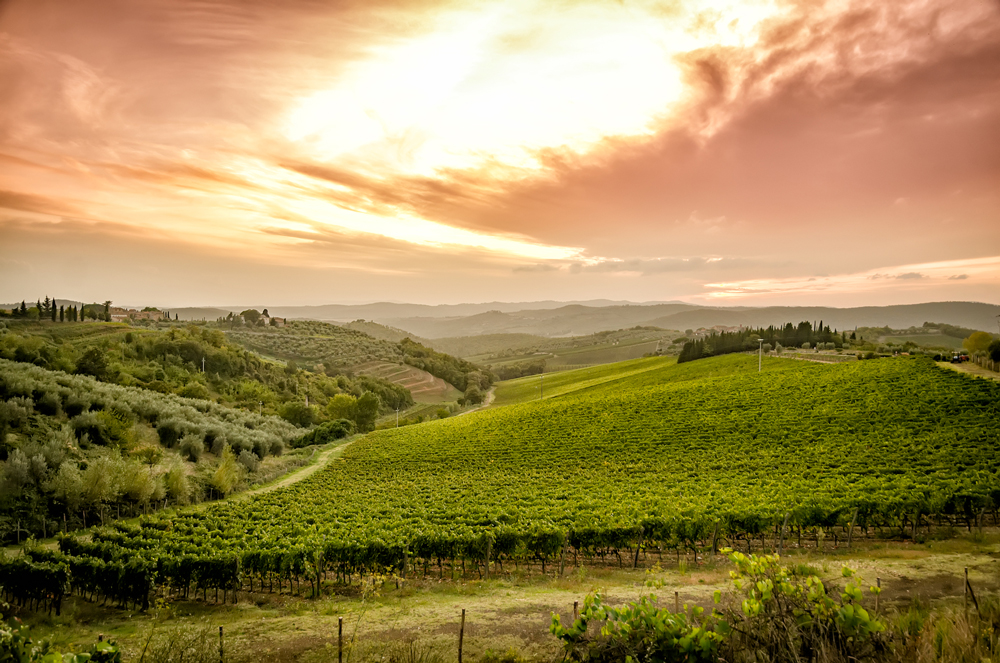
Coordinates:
664 461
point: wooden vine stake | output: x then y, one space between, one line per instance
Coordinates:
850 530
878 583
340 640
781 539
562 557
461 636
677 602
969 592
715 539
638 547
576 609
220 646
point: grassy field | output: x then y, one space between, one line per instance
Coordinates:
512 612
527 389
499 350
925 340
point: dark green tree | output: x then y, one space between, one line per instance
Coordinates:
367 409
93 362
24 309
53 311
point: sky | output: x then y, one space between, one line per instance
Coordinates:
186 153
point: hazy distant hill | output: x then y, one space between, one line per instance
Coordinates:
570 320
383 332
578 320
964 314
202 313
384 311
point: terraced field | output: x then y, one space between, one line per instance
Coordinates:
660 456
424 387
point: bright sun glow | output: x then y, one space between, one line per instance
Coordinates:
495 86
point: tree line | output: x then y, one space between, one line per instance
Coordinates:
726 342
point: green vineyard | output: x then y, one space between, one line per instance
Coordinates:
677 457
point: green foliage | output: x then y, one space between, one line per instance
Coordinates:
93 362
327 432
458 372
367 411
977 342
17 646
171 361
778 615
770 613
83 450
994 350
803 336
299 414
639 632
659 460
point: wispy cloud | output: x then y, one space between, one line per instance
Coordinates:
982 269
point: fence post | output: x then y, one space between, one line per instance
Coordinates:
461 636
576 607
221 656
340 640
970 592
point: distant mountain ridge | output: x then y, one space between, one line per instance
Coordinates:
557 319
578 320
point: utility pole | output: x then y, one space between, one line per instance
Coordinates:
397 417
202 364
260 408
541 384
760 354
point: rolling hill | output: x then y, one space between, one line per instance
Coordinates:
659 457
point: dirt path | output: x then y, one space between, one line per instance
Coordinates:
971 369
490 395
319 462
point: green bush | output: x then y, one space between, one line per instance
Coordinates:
324 433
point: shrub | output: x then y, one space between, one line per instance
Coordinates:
249 460
49 404
194 390
324 433
192 447
94 363
299 414
170 431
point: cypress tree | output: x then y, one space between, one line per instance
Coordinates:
52 310
62 313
